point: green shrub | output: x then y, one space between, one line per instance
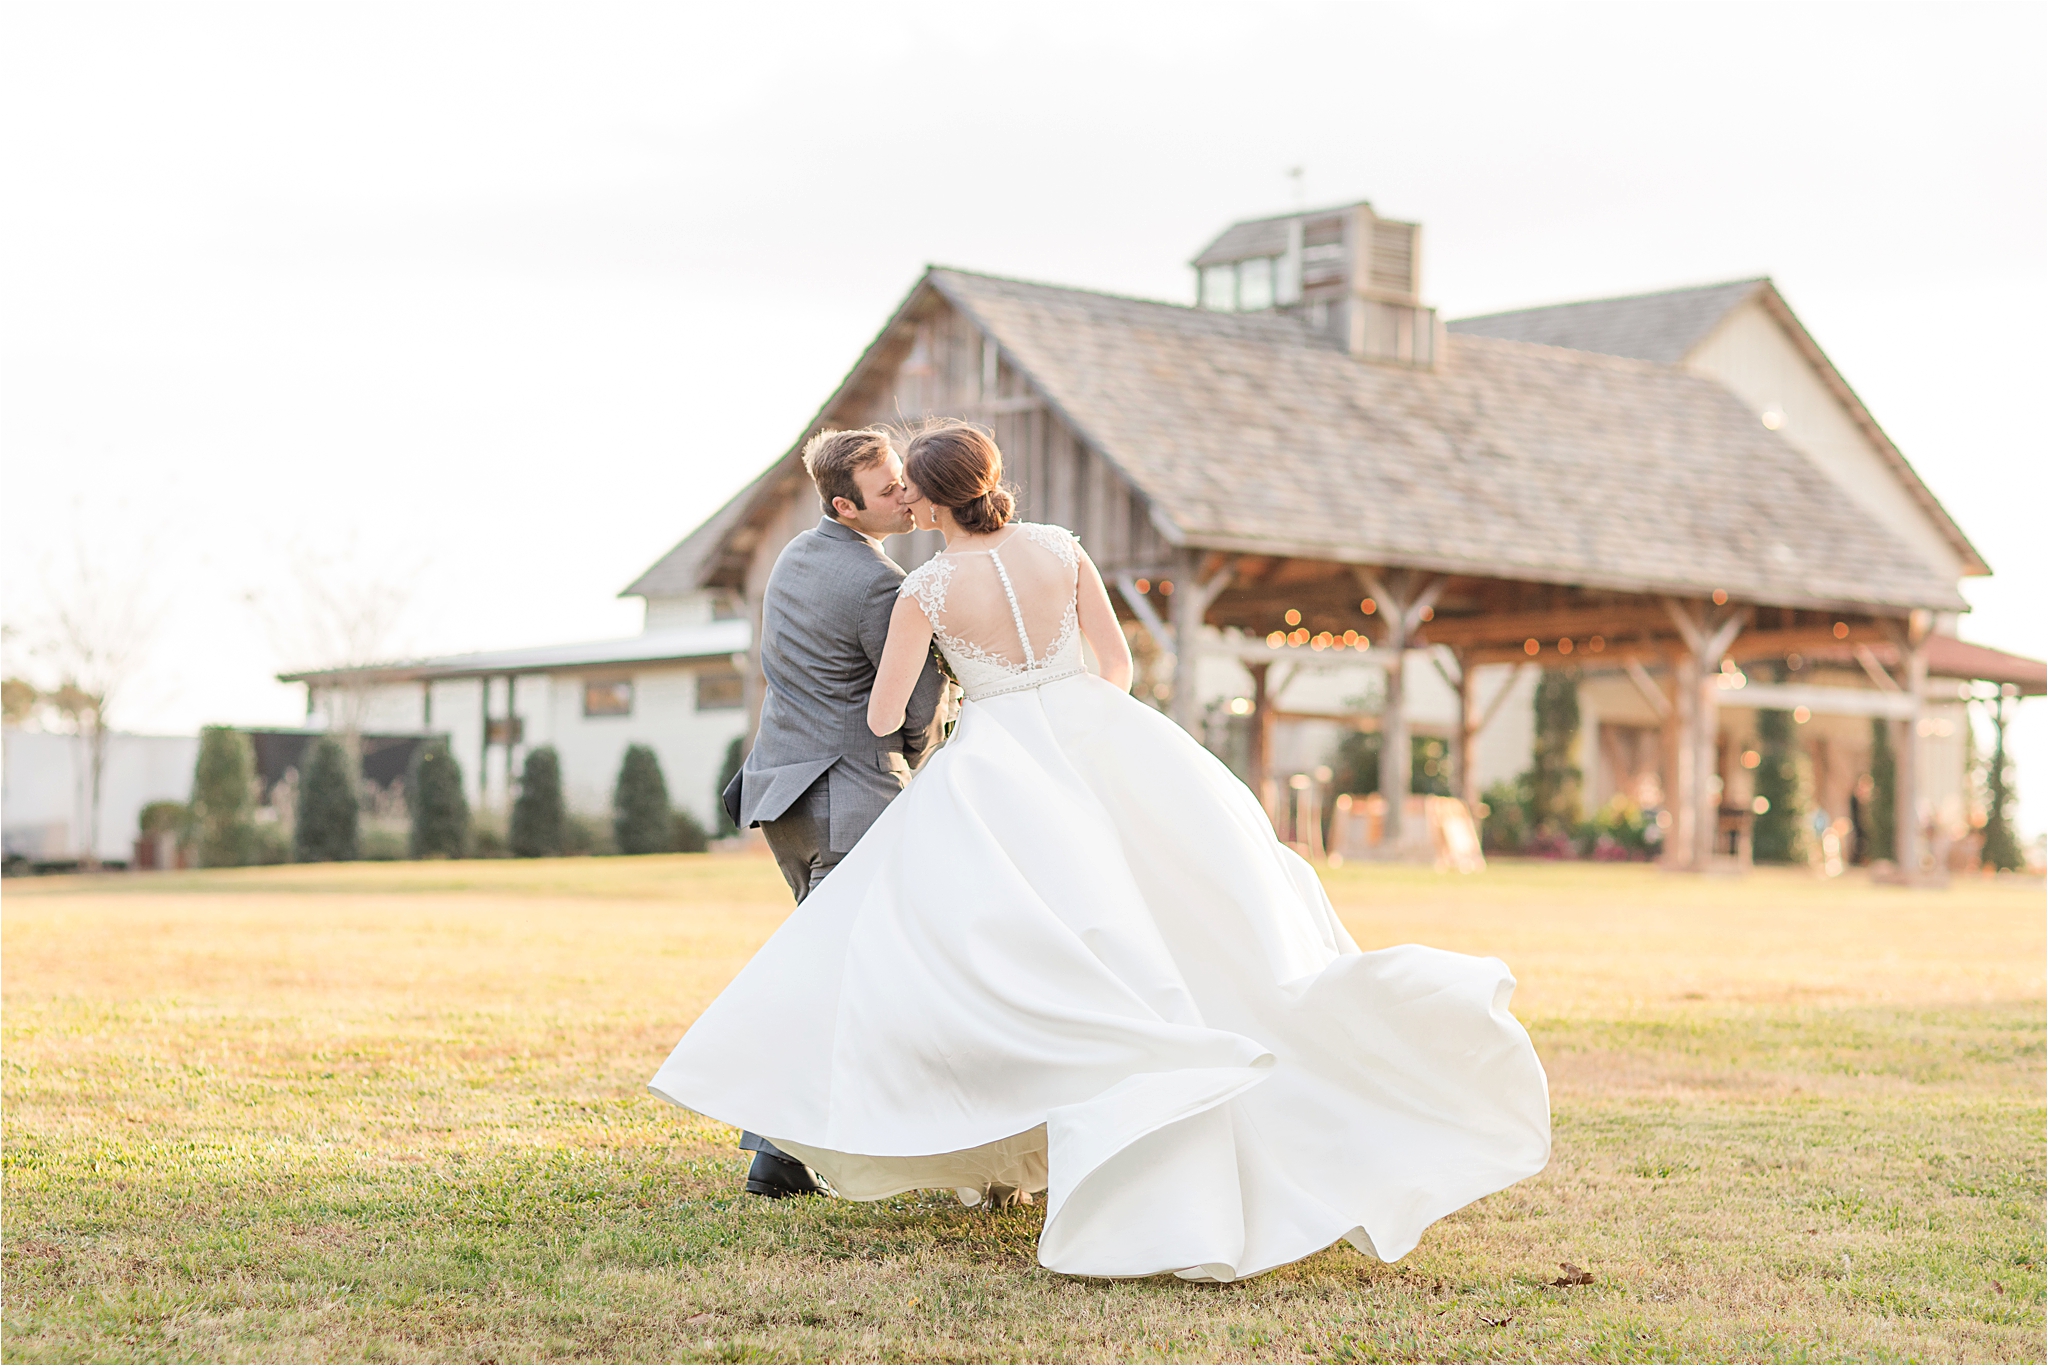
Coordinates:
1618 832
436 802
1554 781
1355 764
641 819
487 835
223 803
539 816
268 843
2001 842
584 837
330 809
735 756
164 818
690 836
1504 820
1780 833
1877 835
383 844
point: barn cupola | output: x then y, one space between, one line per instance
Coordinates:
1351 273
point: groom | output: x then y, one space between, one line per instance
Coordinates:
817 777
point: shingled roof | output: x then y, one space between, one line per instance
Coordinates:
1661 327
1252 432
1513 459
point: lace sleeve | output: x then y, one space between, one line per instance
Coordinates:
1056 539
927 584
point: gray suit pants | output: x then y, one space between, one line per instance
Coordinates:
801 839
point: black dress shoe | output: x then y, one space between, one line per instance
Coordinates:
779 1177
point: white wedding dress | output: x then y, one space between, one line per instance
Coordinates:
1072 957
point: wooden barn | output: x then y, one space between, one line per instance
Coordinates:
1675 494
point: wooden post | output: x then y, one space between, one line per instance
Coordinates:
1396 756
1707 736
1469 723
1192 595
1906 839
1402 599
1259 760
1707 638
1682 796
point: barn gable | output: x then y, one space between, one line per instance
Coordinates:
1745 335
930 360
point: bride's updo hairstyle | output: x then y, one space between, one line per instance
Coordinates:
958 467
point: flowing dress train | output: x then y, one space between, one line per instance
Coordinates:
1072 957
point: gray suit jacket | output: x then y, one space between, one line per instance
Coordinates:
824 619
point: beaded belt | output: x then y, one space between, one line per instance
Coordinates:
1030 678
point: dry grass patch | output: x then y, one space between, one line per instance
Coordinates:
396 1112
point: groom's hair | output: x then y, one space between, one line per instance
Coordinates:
831 458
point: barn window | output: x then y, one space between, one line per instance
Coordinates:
1255 283
608 697
1219 288
724 691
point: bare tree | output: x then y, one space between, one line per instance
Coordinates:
340 610
92 639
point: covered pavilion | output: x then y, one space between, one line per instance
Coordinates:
1678 489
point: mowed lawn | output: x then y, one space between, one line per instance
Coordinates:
396 1112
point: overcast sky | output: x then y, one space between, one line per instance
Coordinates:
500 300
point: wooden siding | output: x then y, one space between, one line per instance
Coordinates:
943 366
1752 353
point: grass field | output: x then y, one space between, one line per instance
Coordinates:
396 1112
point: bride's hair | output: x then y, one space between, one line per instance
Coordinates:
957 466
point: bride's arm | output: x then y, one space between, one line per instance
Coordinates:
903 659
1104 632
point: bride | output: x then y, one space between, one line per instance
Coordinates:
1073 958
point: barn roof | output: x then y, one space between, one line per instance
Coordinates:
705 640
1660 327
1253 432
1514 459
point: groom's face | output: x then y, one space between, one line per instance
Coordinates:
887 497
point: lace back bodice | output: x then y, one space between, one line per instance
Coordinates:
1006 617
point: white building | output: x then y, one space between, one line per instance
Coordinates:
46 791
676 688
